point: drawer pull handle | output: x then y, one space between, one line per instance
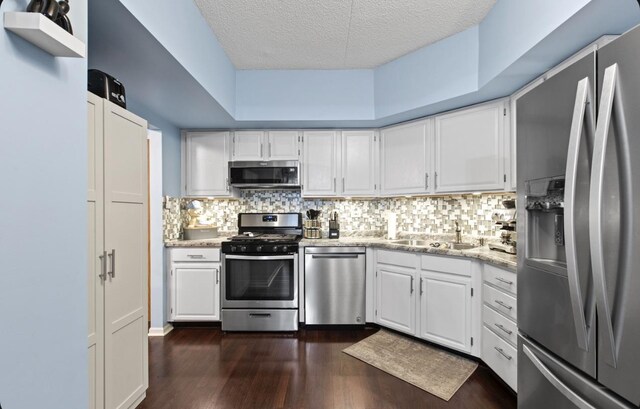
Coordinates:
504 354
195 256
500 303
509 332
502 280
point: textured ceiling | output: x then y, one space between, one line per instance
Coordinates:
333 34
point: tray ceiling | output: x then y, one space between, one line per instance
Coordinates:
333 34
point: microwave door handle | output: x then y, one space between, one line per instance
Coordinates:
582 121
610 100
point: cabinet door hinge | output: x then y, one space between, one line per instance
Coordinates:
376 313
375 138
471 341
505 112
505 177
302 138
171 271
375 186
472 292
172 311
376 273
298 138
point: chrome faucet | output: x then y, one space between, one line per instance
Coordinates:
458 233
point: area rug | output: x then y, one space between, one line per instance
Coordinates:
431 369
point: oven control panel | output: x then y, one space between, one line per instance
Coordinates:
259 248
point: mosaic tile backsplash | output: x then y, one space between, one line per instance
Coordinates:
415 215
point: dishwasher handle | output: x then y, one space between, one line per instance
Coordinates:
334 250
335 255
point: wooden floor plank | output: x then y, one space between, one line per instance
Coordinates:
204 368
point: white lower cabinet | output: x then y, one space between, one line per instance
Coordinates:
194 284
396 298
395 305
445 309
500 327
500 356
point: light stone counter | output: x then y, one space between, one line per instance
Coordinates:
196 243
483 253
499 259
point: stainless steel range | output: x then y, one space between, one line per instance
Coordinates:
260 273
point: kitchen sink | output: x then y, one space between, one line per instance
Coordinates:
417 243
462 246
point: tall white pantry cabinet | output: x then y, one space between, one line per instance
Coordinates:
117 270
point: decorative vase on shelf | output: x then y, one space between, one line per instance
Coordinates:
56 11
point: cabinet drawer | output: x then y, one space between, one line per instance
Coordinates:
500 356
448 265
500 301
503 279
397 258
504 327
195 254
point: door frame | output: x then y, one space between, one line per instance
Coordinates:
157 294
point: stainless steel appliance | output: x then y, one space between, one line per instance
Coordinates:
579 200
260 273
265 174
334 282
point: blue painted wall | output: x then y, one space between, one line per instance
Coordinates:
444 70
171 156
506 50
514 27
43 223
304 95
183 31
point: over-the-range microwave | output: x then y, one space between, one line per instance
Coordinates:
265 174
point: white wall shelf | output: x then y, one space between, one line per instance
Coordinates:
44 33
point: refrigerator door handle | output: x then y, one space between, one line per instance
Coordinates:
582 121
557 383
609 97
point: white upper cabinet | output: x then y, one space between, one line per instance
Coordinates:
359 165
206 157
247 145
282 145
320 164
260 145
469 149
405 159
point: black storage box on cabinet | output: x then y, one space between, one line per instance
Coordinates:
107 87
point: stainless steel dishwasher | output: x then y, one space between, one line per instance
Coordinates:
334 282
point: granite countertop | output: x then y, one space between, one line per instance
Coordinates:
196 243
508 261
483 253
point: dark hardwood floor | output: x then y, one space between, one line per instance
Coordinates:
204 368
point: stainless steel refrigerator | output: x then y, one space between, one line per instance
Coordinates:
579 234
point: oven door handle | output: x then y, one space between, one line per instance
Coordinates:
234 257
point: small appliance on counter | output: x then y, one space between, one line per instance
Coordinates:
334 226
107 87
507 220
313 226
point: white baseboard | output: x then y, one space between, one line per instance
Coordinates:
160 332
